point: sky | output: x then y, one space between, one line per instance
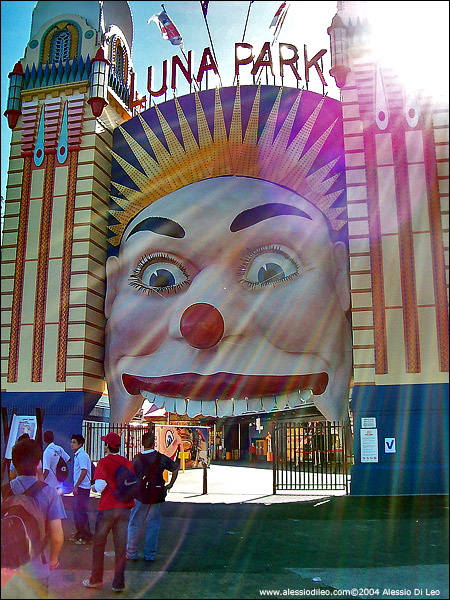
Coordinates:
413 38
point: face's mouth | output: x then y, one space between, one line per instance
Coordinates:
224 385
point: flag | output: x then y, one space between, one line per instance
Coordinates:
204 7
167 28
278 15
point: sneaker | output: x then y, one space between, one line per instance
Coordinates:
88 584
131 558
149 559
81 542
118 589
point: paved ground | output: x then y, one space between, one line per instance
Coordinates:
239 541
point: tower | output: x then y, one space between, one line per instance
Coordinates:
67 93
396 152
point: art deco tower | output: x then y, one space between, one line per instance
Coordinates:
396 154
66 95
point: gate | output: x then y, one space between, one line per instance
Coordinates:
130 438
310 456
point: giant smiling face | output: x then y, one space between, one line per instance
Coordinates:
226 294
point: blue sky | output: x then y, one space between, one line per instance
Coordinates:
423 32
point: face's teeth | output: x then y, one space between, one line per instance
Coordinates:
209 408
295 399
224 408
147 395
269 403
254 404
194 408
305 395
169 404
180 406
240 407
229 407
159 401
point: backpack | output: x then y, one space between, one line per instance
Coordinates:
62 470
91 474
127 484
152 488
23 526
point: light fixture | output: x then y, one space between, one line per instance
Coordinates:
339 50
14 104
98 80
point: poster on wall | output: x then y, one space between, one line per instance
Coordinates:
171 440
369 445
19 426
227 272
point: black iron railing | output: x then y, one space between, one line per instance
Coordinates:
131 438
310 456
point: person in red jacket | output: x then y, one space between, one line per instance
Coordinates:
112 515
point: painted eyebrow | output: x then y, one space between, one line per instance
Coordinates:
159 225
249 217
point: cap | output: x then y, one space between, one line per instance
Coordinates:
112 439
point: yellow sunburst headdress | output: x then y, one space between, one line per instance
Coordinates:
284 155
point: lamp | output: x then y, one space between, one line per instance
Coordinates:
339 50
14 104
98 80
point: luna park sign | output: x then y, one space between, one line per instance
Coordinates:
243 55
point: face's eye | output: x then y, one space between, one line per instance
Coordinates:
169 438
268 265
159 273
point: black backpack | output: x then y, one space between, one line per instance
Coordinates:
152 488
23 526
62 470
127 484
91 474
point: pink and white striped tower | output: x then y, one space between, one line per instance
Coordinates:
396 154
55 232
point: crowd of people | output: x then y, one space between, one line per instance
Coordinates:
37 474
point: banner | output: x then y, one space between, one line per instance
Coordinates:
277 16
171 440
167 28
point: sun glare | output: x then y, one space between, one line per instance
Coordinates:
412 37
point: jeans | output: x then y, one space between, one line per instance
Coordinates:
117 520
80 514
148 515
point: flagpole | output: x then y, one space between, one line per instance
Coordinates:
187 62
246 22
280 25
212 44
245 28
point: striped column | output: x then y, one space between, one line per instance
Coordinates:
358 172
75 121
29 128
52 116
436 155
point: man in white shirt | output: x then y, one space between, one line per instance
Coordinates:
81 490
50 459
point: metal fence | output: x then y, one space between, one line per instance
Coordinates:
310 456
130 434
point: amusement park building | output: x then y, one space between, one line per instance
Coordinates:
68 96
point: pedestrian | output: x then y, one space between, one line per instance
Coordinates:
33 577
252 451
52 454
12 470
81 490
146 514
112 515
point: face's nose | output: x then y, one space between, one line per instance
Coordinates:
202 325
